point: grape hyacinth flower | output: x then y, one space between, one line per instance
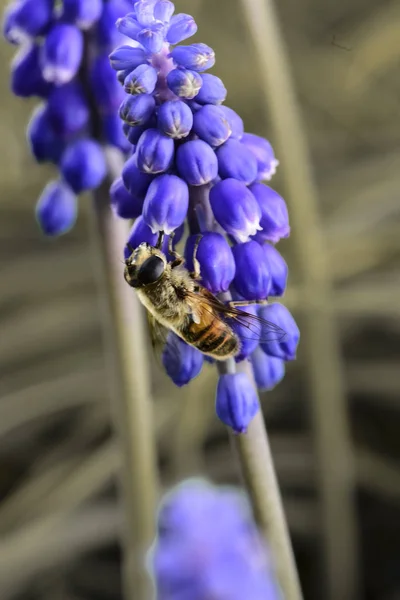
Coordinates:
191 161
208 546
63 60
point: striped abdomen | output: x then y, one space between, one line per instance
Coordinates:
212 336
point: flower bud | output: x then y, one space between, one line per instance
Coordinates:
197 57
236 401
56 209
31 17
268 370
133 133
196 162
154 152
26 75
276 344
44 143
274 214
163 10
217 265
83 165
81 12
113 134
235 160
264 154
107 33
135 181
122 75
128 25
62 53
278 270
141 232
127 58
235 208
166 203
105 88
137 110
211 125
252 279
235 122
68 109
181 361
144 12
248 334
11 32
181 28
141 80
212 91
151 38
174 119
184 83
124 204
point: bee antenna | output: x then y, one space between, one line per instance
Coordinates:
160 240
130 248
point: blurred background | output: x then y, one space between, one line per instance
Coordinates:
59 516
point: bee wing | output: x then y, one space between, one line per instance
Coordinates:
158 335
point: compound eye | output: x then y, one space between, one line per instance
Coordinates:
151 270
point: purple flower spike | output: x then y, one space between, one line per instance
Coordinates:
268 370
62 53
252 279
281 346
135 181
196 162
68 109
123 203
197 57
31 17
236 401
212 91
184 83
274 215
163 10
166 203
26 75
141 80
217 265
181 361
235 160
127 58
83 165
154 152
44 143
278 270
211 125
81 12
57 209
107 34
137 110
175 119
235 209
235 122
181 28
264 154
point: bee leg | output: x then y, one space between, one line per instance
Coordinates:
195 274
237 303
178 259
160 240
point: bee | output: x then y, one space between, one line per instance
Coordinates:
176 300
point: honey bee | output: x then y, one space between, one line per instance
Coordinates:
176 300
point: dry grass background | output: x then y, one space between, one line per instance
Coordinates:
58 460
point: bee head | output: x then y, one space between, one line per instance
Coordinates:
145 266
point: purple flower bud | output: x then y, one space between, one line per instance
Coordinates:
281 346
83 13
141 232
122 75
252 279
268 370
142 80
44 143
83 165
144 11
154 152
26 74
235 122
181 361
151 38
123 203
274 215
181 28
235 209
194 106
278 270
107 33
217 265
11 33
62 53
105 88
197 57
113 133
135 181
31 17
211 125
236 401
196 162
212 91
133 133
163 10
235 160
68 110
129 26
249 337
56 209
263 152
137 110
184 83
166 203
175 119
127 58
